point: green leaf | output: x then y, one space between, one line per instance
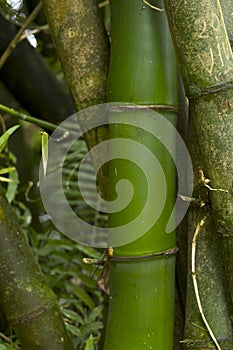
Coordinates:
90 343
3 347
7 170
12 186
73 316
90 328
97 312
5 179
45 138
4 138
89 282
72 329
82 295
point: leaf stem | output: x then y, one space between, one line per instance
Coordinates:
42 123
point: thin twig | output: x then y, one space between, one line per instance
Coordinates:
28 118
8 340
196 201
103 3
195 285
205 182
215 189
152 6
17 37
34 31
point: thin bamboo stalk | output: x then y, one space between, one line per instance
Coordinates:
142 71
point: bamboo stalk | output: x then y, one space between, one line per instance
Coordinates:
209 270
29 305
206 63
142 71
82 45
207 67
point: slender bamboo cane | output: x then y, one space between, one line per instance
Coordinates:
27 302
142 71
206 62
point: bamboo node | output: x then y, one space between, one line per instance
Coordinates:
165 253
29 315
110 252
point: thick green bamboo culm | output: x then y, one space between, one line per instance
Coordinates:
29 306
207 67
214 296
206 63
142 71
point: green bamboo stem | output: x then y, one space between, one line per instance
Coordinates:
29 305
142 71
226 9
207 67
206 63
212 289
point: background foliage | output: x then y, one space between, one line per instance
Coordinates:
61 260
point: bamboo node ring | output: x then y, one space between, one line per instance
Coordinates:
168 252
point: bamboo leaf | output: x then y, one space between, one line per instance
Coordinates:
95 313
73 316
4 138
73 330
13 185
90 343
5 179
3 347
7 170
44 141
82 295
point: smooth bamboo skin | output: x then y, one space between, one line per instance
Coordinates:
27 302
141 306
207 67
141 67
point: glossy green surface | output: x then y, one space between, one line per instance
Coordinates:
141 305
142 63
152 184
142 71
